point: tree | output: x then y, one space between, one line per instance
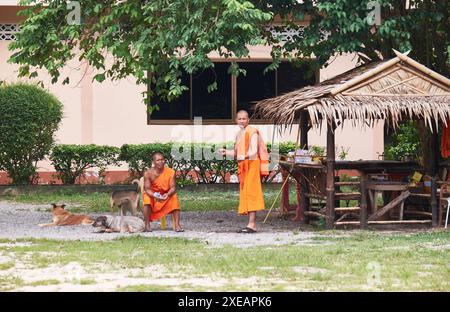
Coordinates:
156 36
163 37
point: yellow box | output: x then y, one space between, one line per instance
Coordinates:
417 176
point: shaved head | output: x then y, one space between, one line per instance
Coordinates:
242 118
157 154
242 112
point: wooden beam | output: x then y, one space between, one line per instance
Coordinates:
370 80
385 222
330 213
419 213
347 209
304 201
347 223
389 206
414 71
401 82
365 76
434 172
422 68
304 129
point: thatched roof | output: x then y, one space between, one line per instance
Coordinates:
392 90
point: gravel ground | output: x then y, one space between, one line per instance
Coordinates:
216 228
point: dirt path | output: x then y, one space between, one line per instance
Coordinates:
18 220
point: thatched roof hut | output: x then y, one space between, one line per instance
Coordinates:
392 90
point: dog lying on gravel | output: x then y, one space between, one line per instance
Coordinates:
64 217
125 224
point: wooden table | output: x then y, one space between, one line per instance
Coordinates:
364 167
376 187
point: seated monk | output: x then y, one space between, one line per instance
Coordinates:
160 197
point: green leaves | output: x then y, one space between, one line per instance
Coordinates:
71 161
167 36
30 117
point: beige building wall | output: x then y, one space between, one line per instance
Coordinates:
113 113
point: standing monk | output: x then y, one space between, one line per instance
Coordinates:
160 197
246 151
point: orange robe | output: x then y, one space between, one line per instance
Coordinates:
250 196
162 185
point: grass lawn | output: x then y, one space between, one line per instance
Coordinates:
190 201
335 260
364 261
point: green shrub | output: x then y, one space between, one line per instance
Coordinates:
405 143
139 156
29 118
71 161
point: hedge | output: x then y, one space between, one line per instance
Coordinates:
71 161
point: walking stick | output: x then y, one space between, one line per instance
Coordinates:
270 210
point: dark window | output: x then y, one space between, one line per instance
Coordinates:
291 77
215 104
254 86
179 108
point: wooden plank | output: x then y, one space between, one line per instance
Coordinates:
385 222
347 196
387 187
421 195
400 222
347 209
347 183
419 213
389 206
347 223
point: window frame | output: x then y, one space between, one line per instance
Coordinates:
231 121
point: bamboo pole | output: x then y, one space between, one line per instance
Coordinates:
273 204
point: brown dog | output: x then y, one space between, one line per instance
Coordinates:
64 217
126 200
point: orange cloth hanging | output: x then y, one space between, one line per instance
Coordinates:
445 141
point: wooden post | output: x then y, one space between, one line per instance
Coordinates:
304 130
434 203
330 177
363 205
434 152
434 172
304 201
